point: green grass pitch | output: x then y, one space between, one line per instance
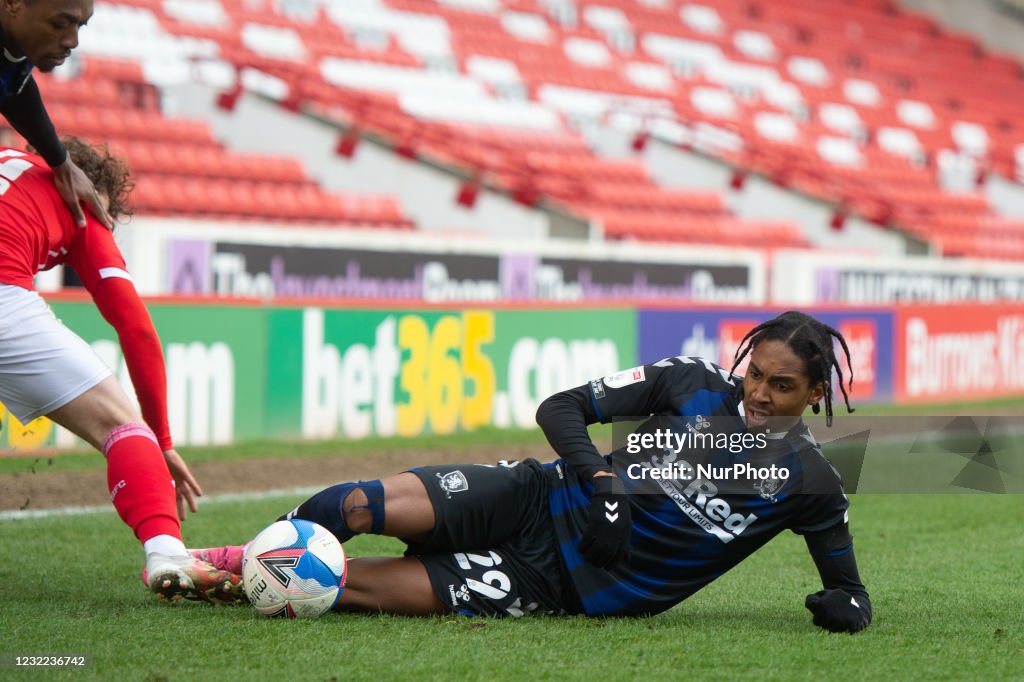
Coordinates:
945 572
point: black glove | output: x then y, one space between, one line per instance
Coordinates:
839 611
605 540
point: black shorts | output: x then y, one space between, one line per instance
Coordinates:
493 551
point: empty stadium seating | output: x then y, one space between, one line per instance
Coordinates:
181 170
855 103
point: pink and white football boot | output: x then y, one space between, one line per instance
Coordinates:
226 558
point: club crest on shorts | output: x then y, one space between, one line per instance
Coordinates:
453 482
768 488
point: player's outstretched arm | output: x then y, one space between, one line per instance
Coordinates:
27 115
843 605
98 262
121 306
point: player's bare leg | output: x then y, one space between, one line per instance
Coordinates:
397 506
94 414
143 493
345 510
397 585
408 512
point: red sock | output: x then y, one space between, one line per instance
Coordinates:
139 482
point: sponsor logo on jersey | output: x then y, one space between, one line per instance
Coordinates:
700 503
625 378
453 482
597 388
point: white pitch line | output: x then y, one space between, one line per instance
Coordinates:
27 514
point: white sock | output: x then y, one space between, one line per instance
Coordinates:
164 544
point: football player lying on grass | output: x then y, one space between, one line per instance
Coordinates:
46 370
606 536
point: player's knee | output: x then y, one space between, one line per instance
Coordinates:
128 430
356 512
363 508
345 509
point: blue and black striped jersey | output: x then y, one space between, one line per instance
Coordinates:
688 530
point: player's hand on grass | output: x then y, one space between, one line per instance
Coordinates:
75 187
605 540
837 611
186 488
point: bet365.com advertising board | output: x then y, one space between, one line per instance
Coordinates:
237 372
355 373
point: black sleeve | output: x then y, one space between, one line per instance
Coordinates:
837 566
27 115
636 392
824 504
564 418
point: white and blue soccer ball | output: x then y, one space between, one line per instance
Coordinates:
294 569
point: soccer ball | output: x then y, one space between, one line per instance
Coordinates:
294 569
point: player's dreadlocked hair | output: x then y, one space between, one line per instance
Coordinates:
109 174
811 341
